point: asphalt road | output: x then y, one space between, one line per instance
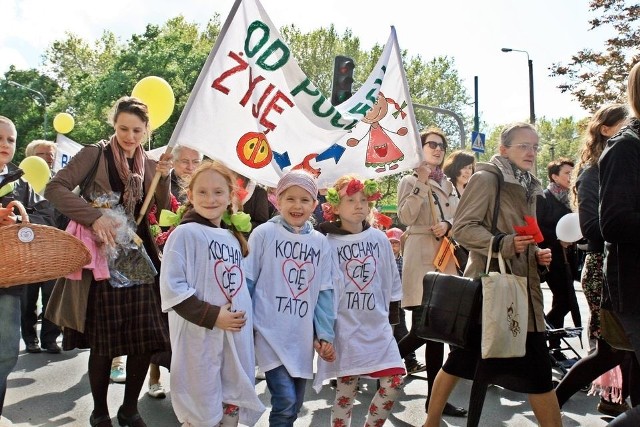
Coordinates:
53 390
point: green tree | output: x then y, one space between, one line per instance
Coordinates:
599 77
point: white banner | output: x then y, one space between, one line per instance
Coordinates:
254 109
66 149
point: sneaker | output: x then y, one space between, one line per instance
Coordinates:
415 367
157 391
118 375
612 409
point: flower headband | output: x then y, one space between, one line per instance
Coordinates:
369 188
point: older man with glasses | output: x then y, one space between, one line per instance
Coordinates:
185 161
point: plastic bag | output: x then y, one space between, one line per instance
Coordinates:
129 262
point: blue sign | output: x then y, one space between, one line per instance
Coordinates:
477 142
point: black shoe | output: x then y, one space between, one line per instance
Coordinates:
612 409
454 411
134 420
33 347
52 348
103 421
415 367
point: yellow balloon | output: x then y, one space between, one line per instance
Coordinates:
63 122
157 94
36 172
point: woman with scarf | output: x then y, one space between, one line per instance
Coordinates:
427 202
507 176
552 205
113 321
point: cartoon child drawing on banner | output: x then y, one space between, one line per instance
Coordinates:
381 150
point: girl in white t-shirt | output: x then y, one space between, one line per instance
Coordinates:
203 288
368 284
289 275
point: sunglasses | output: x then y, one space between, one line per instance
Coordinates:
433 145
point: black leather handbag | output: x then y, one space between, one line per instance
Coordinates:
450 306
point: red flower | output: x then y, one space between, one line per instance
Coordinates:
338 422
174 204
373 409
388 405
396 382
354 186
151 216
344 401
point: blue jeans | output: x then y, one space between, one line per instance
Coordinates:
287 396
9 338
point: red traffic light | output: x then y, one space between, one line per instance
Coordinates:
341 89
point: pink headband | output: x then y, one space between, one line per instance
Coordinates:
299 178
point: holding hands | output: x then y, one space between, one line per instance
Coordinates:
325 350
230 320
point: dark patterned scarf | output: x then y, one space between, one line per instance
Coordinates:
560 193
524 178
437 174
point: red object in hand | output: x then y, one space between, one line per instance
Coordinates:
531 229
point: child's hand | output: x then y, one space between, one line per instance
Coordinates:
325 350
230 320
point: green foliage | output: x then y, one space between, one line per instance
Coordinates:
596 78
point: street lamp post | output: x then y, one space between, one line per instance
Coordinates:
44 102
532 111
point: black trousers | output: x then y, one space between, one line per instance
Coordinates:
49 331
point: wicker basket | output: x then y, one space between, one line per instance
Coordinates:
31 253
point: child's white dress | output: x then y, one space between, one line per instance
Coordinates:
208 367
367 283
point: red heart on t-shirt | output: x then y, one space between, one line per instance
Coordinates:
361 272
298 276
229 279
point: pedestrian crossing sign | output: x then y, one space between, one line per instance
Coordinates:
477 142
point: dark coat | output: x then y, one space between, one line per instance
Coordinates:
549 210
620 218
589 197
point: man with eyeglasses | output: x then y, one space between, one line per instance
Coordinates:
185 161
49 332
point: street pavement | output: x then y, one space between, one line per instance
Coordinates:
53 390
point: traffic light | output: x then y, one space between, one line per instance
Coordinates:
342 79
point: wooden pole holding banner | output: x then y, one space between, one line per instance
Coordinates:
152 189
188 106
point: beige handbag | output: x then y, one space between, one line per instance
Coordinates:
505 312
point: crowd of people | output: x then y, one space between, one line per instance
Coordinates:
280 278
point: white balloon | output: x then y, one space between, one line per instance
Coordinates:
568 228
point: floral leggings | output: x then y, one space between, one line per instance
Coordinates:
592 281
230 415
380 407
